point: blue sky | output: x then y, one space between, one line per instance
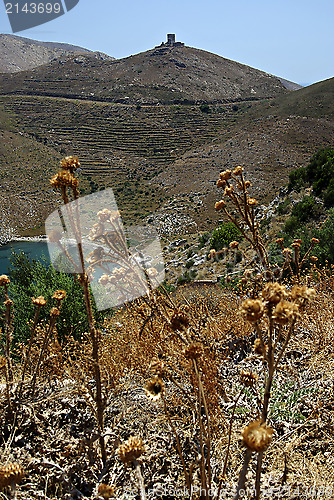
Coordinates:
293 39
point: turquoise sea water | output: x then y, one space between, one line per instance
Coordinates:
33 249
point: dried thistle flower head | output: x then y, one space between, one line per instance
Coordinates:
95 255
238 171
285 312
226 175
234 244
252 309
155 388
295 245
252 202
70 163
247 184
313 258
194 351
212 254
257 436
4 280
259 347
63 179
54 311
39 301
59 295
220 204
96 231
10 475
221 183
131 449
302 294
274 293
314 241
248 379
104 214
105 491
152 272
229 190
104 280
179 320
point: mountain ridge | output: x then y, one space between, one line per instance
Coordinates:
164 75
21 54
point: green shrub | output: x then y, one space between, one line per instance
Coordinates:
223 235
298 179
319 173
302 212
31 278
291 225
283 207
307 209
205 108
325 250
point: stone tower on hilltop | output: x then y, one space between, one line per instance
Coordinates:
171 41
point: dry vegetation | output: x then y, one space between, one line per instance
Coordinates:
196 394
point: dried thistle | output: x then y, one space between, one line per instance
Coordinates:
10 475
252 309
285 312
194 351
131 449
155 388
39 301
70 163
302 294
274 293
248 379
105 491
4 280
257 436
59 295
179 320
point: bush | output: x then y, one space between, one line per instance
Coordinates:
205 108
303 212
291 225
319 173
298 179
223 235
325 250
307 209
31 278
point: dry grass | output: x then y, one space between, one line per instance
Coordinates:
154 403
53 436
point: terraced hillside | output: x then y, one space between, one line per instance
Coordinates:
103 133
120 146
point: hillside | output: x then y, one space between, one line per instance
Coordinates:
161 160
314 101
19 54
162 75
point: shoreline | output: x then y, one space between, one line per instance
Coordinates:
15 239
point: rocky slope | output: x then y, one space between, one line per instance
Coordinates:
161 75
20 54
